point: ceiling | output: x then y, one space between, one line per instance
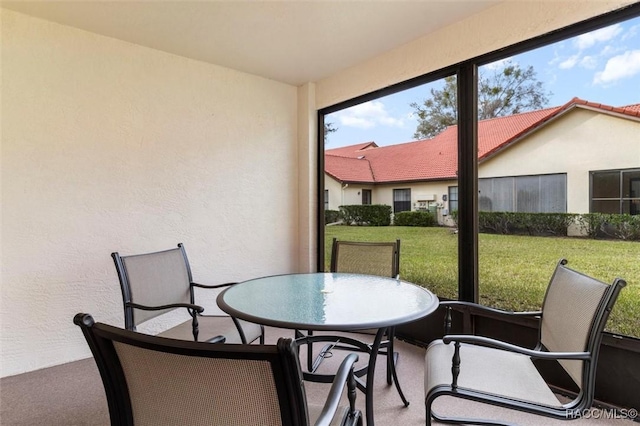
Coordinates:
289 41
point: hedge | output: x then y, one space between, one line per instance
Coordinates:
414 218
604 225
525 223
331 216
592 225
367 214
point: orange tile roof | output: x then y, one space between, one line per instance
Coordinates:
349 151
437 158
634 107
346 169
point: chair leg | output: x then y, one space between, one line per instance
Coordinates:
430 414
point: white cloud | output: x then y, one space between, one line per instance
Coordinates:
585 41
589 62
619 67
368 115
632 32
569 63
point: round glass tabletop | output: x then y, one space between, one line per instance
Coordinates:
327 301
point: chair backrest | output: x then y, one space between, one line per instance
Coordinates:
153 279
151 380
371 258
574 313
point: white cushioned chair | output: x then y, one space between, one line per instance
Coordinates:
574 312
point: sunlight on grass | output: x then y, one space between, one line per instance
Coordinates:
514 270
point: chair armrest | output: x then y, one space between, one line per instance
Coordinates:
451 303
344 374
217 339
211 286
485 341
196 308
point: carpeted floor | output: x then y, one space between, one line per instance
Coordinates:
72 395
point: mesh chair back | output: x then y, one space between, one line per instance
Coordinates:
574 313
156 279
371 258
153 381
167 388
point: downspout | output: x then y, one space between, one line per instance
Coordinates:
345 186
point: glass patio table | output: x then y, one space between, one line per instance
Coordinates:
333 302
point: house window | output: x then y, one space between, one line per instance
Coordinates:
366 196
524 194
453 198
326 199
401 200
615 191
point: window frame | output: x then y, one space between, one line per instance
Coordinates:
620 199
452 200
404 191
467 76
368 200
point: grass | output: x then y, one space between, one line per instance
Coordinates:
514 270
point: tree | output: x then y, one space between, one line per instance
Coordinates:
506 91
328 128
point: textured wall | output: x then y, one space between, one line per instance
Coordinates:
111 146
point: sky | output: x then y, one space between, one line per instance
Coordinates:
602 66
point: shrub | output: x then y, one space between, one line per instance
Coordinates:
414 218
495 222
605 225
454 216
623 226
592 224
546 223
368 214
539 224
331 216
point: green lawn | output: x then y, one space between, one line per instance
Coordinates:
514 270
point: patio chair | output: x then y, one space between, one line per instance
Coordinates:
150 380
368 258
574 312
156 283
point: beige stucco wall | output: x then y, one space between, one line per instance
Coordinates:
576 143
307 183
502 25
335 192
111 146
346 194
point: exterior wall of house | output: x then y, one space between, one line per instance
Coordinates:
577 143
109 146
504 24
335 192
423 196
346 194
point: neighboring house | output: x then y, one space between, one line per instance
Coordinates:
577 158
